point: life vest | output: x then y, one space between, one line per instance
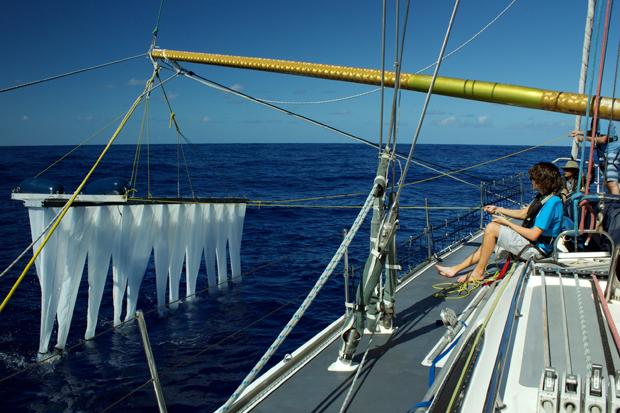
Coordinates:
532 212
534 209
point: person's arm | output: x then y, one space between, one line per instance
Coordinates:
578 135
531 234
512 213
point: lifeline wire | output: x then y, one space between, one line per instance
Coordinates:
75 72
266 202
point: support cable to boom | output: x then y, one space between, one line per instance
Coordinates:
222 88
173 121
66 207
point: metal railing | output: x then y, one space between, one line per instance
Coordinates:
439 236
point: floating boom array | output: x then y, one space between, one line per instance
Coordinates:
128 234
492 92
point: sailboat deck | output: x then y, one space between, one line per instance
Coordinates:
392 376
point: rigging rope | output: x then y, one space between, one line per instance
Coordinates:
304 306
457 49
222 88
75 72
598 96
423 114
355 194
84 142
173 120
66 207
382 88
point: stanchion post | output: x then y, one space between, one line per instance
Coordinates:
429 233
481 205
159 394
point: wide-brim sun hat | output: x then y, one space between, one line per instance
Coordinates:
570 164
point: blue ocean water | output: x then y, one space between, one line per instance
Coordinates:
204 348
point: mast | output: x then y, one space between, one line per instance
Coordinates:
585 56
492 92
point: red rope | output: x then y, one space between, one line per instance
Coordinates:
608 317
597 99
501 274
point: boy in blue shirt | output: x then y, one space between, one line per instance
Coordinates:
542 221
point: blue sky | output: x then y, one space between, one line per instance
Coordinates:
535 44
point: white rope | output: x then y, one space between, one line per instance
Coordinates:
465 43
304 306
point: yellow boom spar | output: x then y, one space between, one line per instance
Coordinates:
492 92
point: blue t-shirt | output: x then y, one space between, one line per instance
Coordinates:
549 219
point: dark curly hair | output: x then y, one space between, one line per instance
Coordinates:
547 177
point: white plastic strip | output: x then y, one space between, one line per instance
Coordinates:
175 234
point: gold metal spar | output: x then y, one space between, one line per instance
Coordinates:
522 96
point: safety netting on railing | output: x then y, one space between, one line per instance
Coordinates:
441 234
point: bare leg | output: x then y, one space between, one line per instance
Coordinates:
489 241
455 269
613 188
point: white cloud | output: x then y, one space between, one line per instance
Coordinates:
136 82
25 117
238 87
86 118
450 120
483 120
206 119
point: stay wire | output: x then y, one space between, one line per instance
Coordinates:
75 72
424 108
63 211
53 220
75 148
173 120
222 88
383 28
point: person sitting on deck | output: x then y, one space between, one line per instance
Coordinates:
542 221
571 175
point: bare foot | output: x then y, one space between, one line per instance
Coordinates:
472 276
446 271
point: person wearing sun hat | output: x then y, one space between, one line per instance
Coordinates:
571 174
